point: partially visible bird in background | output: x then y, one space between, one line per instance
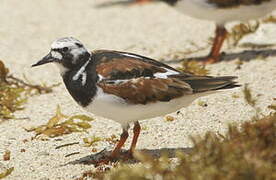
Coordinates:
221 12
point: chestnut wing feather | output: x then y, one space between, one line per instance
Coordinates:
143 91
122 65
141 80
137 79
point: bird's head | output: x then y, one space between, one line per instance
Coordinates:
66 53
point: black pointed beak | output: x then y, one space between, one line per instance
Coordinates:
47 59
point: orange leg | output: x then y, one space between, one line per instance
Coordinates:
115 152
120 144
136 132
123 138
214 55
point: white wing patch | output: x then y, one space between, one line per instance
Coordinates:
164 75
100 78
131 55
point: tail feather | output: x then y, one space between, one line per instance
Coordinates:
207 83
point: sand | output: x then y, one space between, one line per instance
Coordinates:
27 29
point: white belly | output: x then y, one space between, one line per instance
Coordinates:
200 9
115 108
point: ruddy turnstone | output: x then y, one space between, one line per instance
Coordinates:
126 87
222 11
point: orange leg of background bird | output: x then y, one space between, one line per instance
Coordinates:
214 55
136 132
120 144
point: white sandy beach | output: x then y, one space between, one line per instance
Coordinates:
27 28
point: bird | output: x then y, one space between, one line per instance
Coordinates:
126 87
221 12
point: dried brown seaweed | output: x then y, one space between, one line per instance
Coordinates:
193 67
248 96
270 19
14 92
6 173
247 151
242 29
91 141
7 155
61 124
243 153
169 118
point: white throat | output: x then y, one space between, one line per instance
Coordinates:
62 69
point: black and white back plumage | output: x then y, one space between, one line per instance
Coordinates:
127 87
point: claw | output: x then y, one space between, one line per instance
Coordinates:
104 161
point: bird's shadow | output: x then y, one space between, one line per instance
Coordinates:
114 3
246 55
118 3
155 153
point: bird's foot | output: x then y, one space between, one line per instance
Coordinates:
101 158
209 60
122 156
128 156
104 161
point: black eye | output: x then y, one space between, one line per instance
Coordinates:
65 49
79 45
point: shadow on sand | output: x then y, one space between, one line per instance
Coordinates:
115 3
246 55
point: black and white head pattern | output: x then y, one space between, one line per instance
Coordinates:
70 52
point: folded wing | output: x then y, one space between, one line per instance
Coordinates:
141 80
